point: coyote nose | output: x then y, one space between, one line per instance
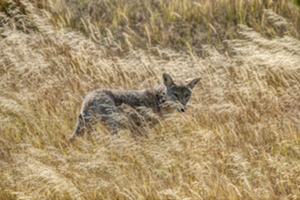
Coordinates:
182 110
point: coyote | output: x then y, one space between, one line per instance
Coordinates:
133 109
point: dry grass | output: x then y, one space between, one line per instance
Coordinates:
238 140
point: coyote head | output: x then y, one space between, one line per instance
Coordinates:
178 91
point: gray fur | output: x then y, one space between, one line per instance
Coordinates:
135 110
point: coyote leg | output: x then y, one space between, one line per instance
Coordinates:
83 125
100 109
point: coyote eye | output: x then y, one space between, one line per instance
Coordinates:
176 96
186 96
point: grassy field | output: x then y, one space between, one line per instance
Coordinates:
240 136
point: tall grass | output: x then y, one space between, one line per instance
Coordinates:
238 140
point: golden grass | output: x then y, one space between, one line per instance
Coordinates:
238 140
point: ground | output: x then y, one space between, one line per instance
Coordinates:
239 138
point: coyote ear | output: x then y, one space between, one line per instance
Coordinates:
193 82
168 81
